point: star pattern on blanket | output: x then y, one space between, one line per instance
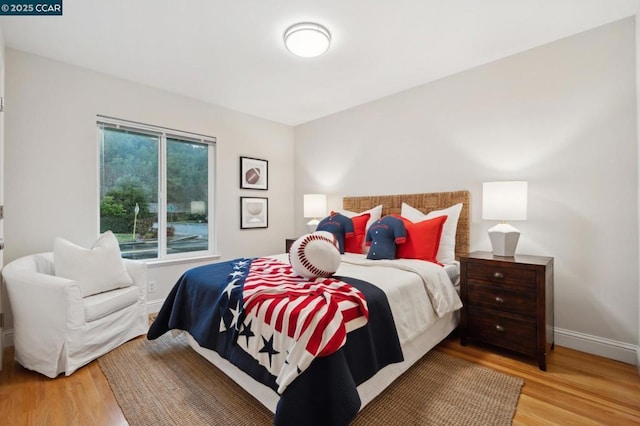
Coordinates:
245 331
231 308
236 314
230 287
268 348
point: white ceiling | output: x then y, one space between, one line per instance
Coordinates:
230 53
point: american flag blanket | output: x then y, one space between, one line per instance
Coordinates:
303 319
312 342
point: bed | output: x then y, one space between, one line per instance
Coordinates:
330 386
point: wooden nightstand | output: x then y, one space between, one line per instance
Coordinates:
287 244
508 302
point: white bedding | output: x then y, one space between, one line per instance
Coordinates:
408 293
453 270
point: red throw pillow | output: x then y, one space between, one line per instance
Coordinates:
423 239
353 244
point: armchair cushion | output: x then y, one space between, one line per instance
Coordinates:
102 304
97 269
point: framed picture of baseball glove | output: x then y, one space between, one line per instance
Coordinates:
253 173
254 212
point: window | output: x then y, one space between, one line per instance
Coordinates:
139 164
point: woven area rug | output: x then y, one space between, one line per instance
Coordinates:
164 382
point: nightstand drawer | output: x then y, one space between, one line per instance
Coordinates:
500 298
503 329
500 275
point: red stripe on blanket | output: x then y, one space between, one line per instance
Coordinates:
351 314
325 304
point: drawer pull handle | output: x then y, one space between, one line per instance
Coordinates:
499 299
498 275
499 327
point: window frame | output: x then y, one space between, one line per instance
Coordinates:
163 133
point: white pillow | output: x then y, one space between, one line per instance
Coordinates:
375 214
447 249
97 269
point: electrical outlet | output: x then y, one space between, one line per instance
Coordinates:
151 287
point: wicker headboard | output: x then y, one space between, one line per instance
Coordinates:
423 202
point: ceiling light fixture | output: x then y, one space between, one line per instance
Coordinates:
307 39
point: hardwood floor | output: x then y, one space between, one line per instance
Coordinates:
577 389
29 398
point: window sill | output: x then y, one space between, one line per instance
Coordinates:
152 263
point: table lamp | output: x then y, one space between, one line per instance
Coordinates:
315 207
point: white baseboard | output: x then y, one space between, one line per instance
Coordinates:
600 346
7 337
153 306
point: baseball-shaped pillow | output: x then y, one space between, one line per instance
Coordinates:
315 255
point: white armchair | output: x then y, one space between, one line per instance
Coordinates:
57 330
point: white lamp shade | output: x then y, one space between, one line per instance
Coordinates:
307 39
315 205
504 200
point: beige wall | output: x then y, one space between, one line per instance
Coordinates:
562 117
51 159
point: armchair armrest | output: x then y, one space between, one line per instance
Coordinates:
138 272
43 300
45 308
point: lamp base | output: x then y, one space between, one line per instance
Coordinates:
504 239
312 225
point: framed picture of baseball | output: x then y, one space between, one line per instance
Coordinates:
253 173
254 212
